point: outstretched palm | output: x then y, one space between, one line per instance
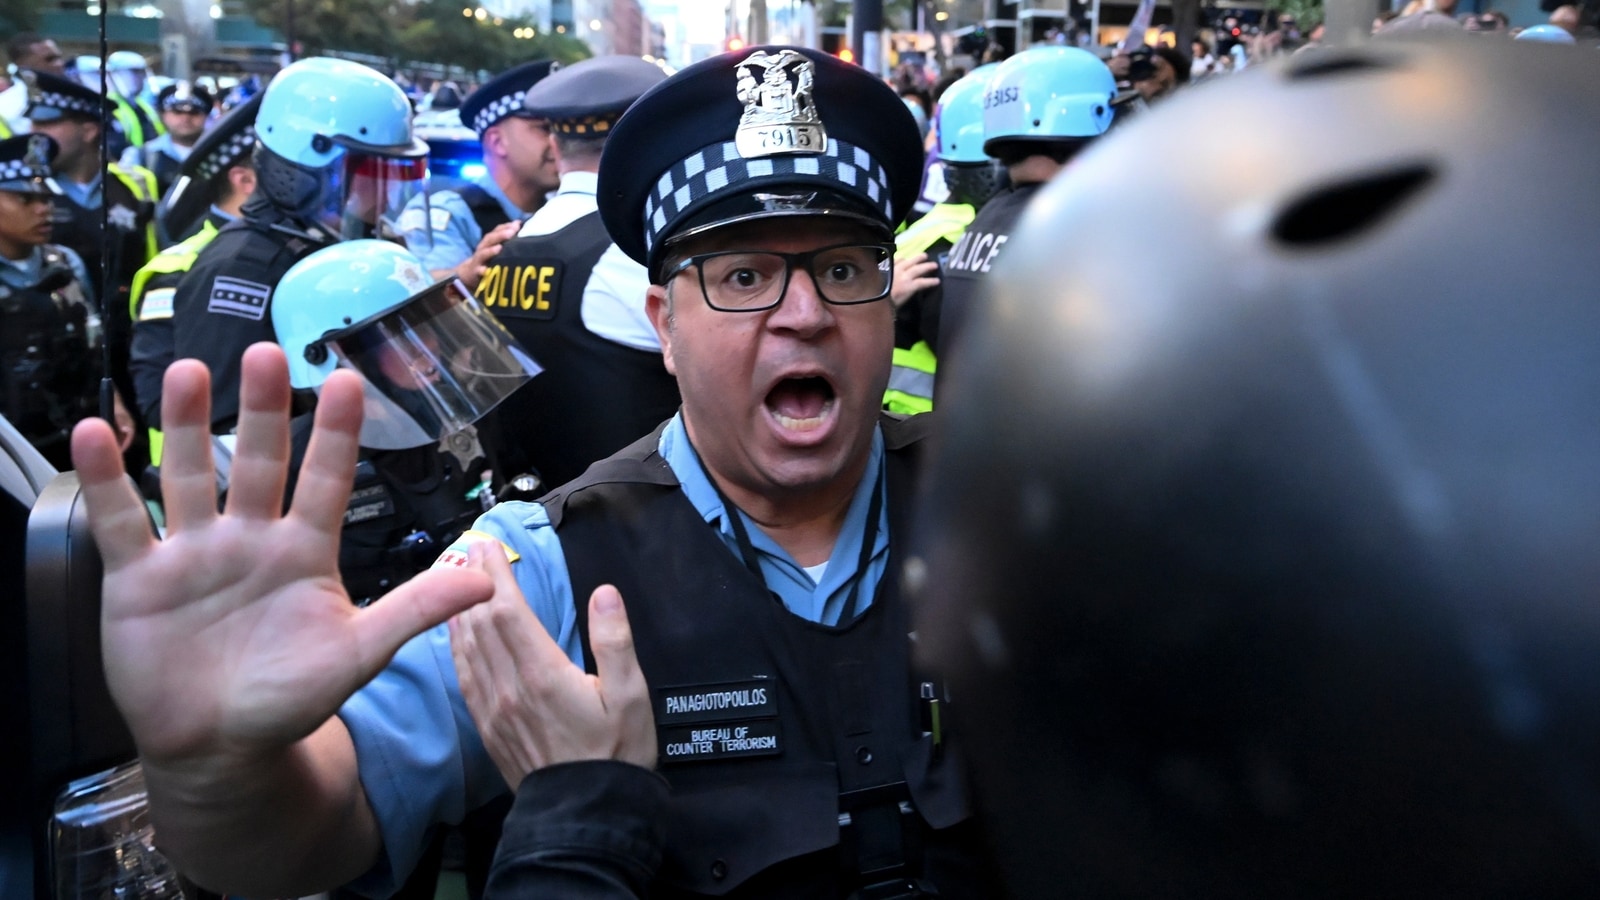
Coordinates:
234 636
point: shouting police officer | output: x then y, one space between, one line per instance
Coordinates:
753 536
461 228
573 298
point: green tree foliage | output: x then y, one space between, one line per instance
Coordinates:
431 31
1307 13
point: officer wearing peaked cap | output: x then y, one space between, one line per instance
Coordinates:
573 298
72 115
753 538
48 325
456 233
215 181
183 110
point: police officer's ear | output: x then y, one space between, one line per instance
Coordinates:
494 140
242 180
658 302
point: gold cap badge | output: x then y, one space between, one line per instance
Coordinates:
780 114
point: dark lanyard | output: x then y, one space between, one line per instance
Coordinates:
747 551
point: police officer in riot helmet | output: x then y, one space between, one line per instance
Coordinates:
50 330
573 297
433 362
1276 572
335 159
806 753
1042 107
971 177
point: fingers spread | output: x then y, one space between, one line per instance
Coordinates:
188 478
323 490
261 458
117 515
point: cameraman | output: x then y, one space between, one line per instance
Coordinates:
1154 72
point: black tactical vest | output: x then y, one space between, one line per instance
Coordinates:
800 755
48 365
967 265
594 396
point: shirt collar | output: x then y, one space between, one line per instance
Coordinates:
680 455
579 183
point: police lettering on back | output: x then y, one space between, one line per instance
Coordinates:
976 251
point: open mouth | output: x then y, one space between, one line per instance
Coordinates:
801 404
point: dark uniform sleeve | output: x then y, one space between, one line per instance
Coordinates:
587 829
222 307
152 351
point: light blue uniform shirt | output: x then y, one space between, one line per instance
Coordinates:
25 272
420 757
449 224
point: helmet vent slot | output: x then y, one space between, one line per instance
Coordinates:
1328 62
1347 208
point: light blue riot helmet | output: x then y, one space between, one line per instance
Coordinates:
1549 34
960 117
432 359
1047 97
128 72
971 175
336 148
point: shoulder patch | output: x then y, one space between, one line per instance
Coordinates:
456 554
156 304
238 297
411 220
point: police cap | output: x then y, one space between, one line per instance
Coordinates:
52 97
588 97
771 131
501 96
226 144
181 96
1268 570
25 165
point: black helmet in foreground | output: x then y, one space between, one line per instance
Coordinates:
1262 547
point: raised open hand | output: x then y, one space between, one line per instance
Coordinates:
234 637
533 707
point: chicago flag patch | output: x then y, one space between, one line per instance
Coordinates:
237 297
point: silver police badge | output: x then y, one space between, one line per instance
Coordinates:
38 154
780 114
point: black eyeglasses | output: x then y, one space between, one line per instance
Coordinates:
756 280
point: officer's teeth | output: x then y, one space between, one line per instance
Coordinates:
808 423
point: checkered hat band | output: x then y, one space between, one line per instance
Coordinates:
19 170
231 151
713 168
66 103
496 111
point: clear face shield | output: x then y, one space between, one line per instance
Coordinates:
365 194
124 82
431 367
